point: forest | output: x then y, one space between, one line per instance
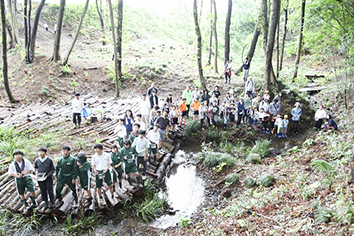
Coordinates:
112 51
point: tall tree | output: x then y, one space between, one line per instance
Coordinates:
115 48
56 50
119 43
4 52
65 61
215 39
227 32
34 31
210 33
27 22
100 12
199 45
265 23
268 69
284 35
12 11
298 54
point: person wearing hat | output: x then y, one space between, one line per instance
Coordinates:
84 173
66 173
117 169
20 169
121 132
101 162
129 153
266 95
285 126
77 105
154 137
45 168
141 145
296 113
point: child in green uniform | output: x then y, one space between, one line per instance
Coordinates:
84 172
66 173
117 170
135 132
129 153
20 169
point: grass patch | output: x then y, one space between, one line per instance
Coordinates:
192 129
213 159
268 181
232 178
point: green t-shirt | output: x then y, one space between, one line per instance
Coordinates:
66 167
132 136
116 159
130 153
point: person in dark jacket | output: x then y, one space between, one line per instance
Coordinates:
240 110
205 97
45 168
332 125
154 100
246 68
84 173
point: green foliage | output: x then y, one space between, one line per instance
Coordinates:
80 225
45 91
150 208
322 165
213 135
268 181
232 178
192 128
213 159
324 214
261 147
66 70
249 182
74 83
253 158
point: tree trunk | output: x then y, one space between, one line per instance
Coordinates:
265 23
114 47
297 61
9 31
253 46
277 74
284 35
4 53
65 61
199 52
216 40
100 15
12 8
210 33
27 24
56 55
270 44
34 31
227 32
119 44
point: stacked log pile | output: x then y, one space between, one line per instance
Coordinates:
35 118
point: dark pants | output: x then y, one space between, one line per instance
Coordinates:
189 107
250 92
77 118
227 76
61 181
318 123
46 188
140 160
239 118
295 126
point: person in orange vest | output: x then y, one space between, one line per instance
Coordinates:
183 109
195 107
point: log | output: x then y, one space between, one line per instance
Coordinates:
115 203
91 209
76 211
164 163
63 210
4 181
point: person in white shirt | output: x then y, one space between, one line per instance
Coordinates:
20 169
101 162
320 115
141 145
154 137
145 110
121 131
249 87
77 105
196 93
140 122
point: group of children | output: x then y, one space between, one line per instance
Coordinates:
104 167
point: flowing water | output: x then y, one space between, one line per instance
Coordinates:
185 192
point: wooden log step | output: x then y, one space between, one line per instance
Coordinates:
63 210
91 209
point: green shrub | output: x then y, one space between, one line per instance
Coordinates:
324 214
232 178
213 135
261 147
213 159
192 128
44 91
150 209
268 181
249 182
253 158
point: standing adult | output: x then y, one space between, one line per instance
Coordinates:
196 94
154 99
151 89
296 114
246 68
320 115
145 110
228 71
205 97
168 102
128 121
187 94
240 110
249 87
164 126
217 93
44 167
77 105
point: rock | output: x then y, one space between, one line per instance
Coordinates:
226 193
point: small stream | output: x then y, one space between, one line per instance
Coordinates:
185 192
